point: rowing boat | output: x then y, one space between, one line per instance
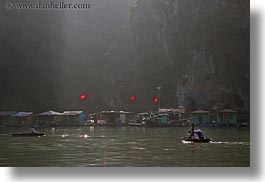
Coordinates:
196 140
27 134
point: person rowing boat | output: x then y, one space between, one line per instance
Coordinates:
33 130
191 132
199 134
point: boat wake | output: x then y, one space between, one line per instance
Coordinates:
3 134
220 142
230 143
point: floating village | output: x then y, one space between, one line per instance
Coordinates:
160 118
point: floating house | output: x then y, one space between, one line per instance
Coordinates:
161 119
112 118
227 117
22 119
5 118
73 118
48 118
201 117
175 115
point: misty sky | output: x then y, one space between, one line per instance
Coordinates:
119 48
49 57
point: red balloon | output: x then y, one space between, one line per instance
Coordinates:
155 100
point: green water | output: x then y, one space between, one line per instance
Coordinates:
125 146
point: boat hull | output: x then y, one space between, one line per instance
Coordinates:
206 140
27 134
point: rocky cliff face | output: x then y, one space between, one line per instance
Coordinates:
197 51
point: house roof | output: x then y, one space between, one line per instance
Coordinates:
227 110
72 112
200 112
49 113
6 113
143 113
178 110
114 112
21 114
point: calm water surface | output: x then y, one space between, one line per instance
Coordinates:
126 146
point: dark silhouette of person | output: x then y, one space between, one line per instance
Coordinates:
192 131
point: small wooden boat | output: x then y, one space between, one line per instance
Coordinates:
196 140
27 134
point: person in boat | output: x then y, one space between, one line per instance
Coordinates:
199 134
33 130
191 131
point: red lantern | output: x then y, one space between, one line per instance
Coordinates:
155 100
82 97
132 98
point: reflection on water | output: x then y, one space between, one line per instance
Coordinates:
126 146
